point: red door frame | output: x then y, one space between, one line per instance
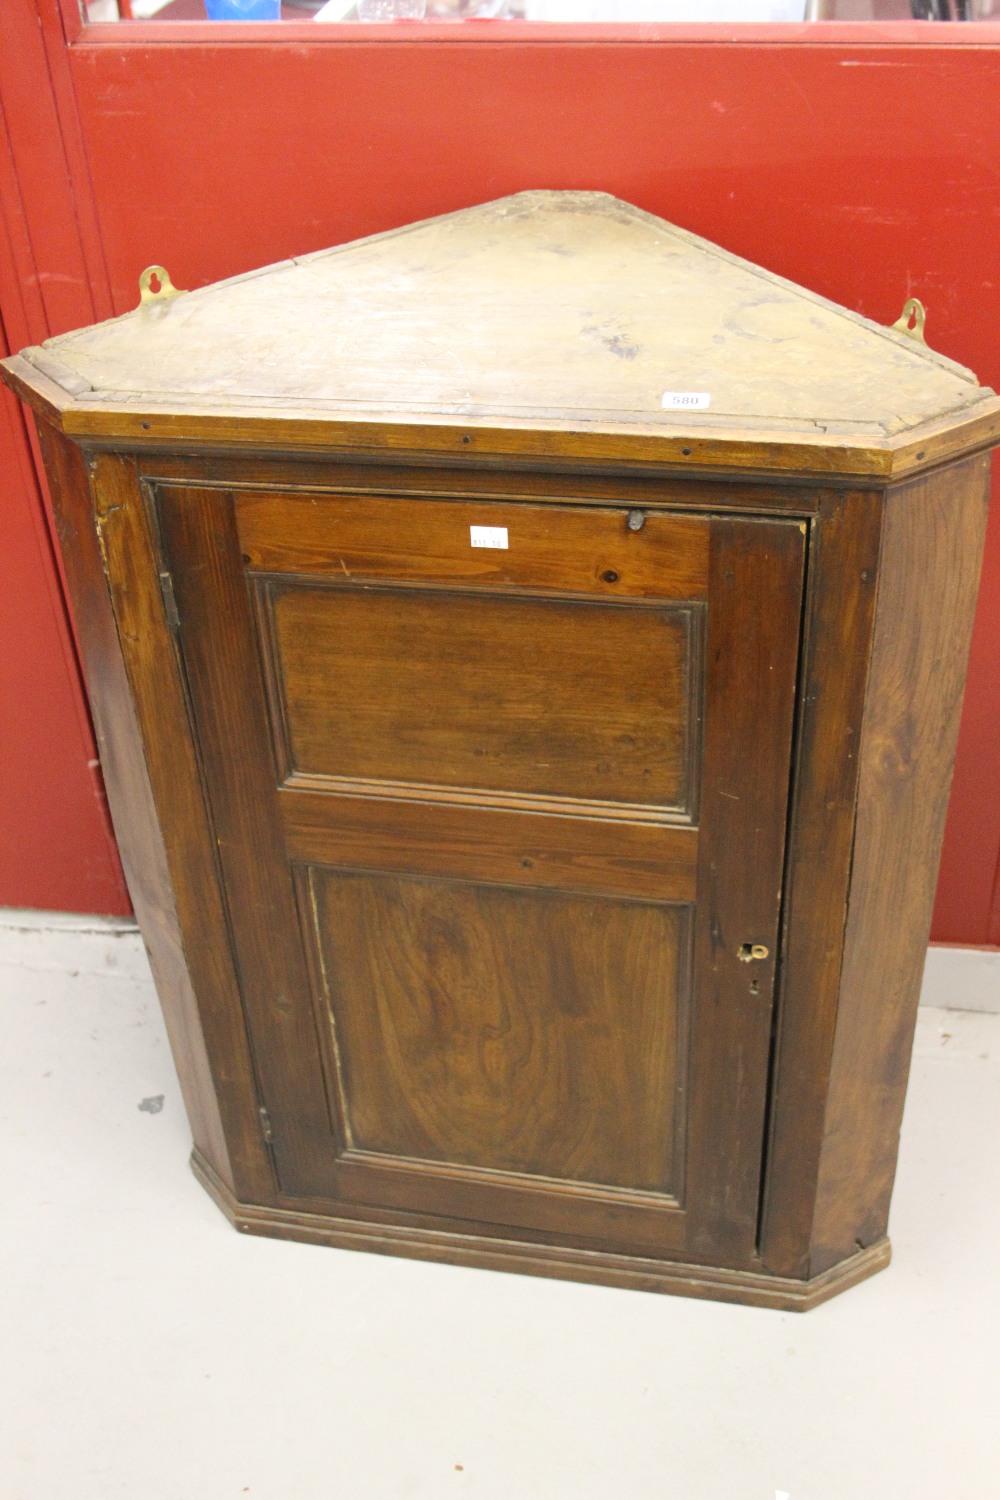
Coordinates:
857 159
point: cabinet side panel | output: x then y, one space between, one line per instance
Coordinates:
128 779
839 614
931 555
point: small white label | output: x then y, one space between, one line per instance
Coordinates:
488 536
686 400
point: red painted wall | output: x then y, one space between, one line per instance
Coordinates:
864 170
56 847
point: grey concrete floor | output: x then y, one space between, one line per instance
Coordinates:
150 1351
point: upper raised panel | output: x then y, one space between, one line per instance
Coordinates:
513 697
572 549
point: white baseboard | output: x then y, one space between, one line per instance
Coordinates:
955 978
25 919
962 978
59 942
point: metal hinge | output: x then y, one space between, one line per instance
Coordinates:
170 601
265 1125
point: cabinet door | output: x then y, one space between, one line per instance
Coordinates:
499 791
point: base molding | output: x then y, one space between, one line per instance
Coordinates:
640 1273
959 978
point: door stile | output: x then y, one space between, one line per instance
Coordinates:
198 535
755 593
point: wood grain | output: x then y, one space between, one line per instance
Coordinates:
618 448
549 324
485 1027
154 794
400 1234
837 628
572 550
267 832
751 662
571 305
564 700
498 844
931 555
224 682
532 479
556 907
861 1063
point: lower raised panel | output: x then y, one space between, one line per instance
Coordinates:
496 1031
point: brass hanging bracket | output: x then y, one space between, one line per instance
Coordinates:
155 285
912 320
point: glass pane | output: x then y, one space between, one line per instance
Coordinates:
580 11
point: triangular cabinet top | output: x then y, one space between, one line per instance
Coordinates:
565 325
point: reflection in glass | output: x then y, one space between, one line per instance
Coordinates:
580 11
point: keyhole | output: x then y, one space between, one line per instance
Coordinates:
155 284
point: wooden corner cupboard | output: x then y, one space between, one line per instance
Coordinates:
526 651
